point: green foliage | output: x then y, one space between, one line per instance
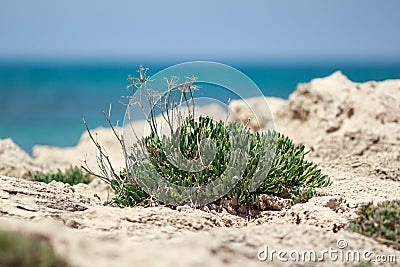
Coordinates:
17 250
72 176
188 136
290 175
177 167
128 193
381 222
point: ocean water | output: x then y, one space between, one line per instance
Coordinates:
45 103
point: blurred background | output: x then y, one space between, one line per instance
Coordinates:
63 60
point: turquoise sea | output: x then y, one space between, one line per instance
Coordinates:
45 103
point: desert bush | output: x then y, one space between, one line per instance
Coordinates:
22 250
288 176
381 222
72 176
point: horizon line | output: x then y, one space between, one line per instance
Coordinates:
175 60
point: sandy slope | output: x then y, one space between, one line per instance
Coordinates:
353 131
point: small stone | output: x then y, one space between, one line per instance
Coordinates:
183 208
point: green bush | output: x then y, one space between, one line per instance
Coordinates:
176 159
128 193
72 176
18 250
290 175
381 222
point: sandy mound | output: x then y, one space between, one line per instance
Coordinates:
353 132
218 247
337 118
89 234
84 151
14 161
360 117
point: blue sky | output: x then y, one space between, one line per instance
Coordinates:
203 29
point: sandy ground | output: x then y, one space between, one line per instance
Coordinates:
352 130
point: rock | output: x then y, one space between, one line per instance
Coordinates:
36 200
254 112
269 202
15 162
218 247
84 151
328 212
